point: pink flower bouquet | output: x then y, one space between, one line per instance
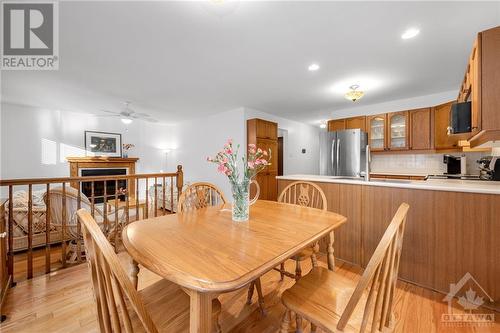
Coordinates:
227 163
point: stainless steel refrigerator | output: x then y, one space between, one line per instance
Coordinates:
344 153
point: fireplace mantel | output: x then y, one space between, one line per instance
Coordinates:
89 162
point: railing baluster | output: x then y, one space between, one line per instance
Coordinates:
11 234
156 198
30 232
117 223
105 210
137 217
127 204
47 230
92 200
147 203
63 236
79 227
171 195
163 197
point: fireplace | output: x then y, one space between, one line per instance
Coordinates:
99 186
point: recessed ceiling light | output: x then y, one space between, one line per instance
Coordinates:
410 33
313 67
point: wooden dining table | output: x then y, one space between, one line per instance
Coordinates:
207 254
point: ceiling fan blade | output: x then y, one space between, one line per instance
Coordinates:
108 111
141 114
150 120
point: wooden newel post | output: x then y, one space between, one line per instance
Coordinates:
179 180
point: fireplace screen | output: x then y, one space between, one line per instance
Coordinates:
99 186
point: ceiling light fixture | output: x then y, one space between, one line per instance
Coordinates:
354 94
322 124
313 67
126 121
410 33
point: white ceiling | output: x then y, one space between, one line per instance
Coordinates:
179 60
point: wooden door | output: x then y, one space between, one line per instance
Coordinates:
420 129
356 122
397 130
376 126
270 145
441 123
336 125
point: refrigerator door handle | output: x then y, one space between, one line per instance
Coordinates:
338 156
333 150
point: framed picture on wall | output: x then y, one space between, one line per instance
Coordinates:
103 144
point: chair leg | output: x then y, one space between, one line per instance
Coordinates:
282 269
285 322
298 270
298 324
314 260
313 328
261 296
250 292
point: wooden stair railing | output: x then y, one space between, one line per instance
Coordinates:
113 212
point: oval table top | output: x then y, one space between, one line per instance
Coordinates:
205 250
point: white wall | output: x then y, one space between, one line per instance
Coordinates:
36 141
396 105
297 136
197 139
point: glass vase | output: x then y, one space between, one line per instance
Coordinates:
241 200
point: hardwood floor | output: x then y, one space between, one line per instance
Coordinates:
63 302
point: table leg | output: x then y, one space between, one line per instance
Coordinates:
200 312
331 258
133 272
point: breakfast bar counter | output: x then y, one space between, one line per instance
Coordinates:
453 227
450 185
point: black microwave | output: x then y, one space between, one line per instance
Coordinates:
460 118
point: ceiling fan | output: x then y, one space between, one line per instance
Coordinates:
127 115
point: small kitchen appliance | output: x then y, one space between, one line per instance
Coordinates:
455 165
489 168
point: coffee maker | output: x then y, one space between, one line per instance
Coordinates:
455 165
489 168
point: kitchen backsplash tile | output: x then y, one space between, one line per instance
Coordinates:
429 164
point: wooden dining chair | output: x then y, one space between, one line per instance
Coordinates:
161 307
203 194
309 195
335 303
199 195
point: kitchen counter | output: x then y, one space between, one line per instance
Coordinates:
450 185
452 228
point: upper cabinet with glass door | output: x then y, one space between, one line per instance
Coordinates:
397 131
376 132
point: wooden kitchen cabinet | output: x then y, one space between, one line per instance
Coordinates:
376 126
483 78
264 134
266 129
397 130
441 123
356 122
336 125
347 123
420 129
